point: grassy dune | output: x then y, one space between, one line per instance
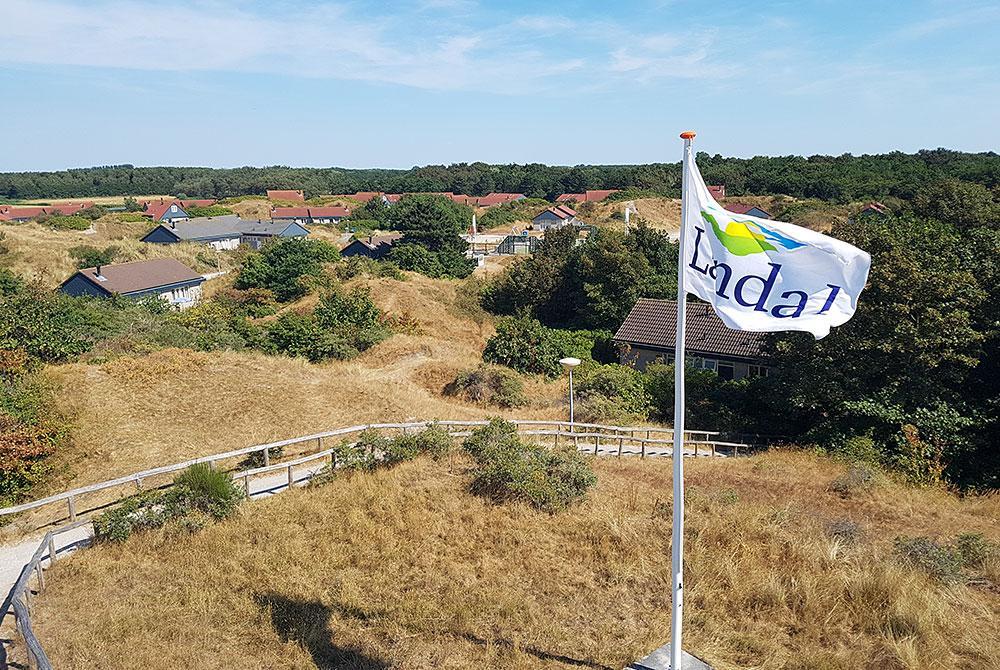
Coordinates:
405 569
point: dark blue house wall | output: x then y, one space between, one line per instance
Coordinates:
77 285
160 235
546 216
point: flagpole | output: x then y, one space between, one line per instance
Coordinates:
677 539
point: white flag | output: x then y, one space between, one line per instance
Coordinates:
764 275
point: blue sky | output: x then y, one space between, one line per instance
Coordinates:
395 84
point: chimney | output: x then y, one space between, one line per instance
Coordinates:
173 224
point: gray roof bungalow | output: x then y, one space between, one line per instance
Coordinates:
222 232
166 278
649 333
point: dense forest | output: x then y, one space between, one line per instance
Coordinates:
839 178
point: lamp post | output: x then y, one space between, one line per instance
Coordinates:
569 364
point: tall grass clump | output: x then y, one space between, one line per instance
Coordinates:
373 450
488 385
199 494
509 469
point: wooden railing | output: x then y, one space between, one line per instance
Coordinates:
606 440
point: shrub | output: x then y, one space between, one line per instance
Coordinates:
199 491
488 385
212 210
353 317
284 266
524 344
58 222
357 266
508 469
974 549
940 562
443 263
88 257
251 302
301 336
613 392
859 478
845 530
433 440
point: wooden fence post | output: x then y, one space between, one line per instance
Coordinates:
246 485
52 549
713 449
41 577
267 457
642 454
695 448
621 441
291 479
597 443
71 504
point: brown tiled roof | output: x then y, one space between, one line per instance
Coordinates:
328 212
290 213
653 323
566 197
140 275
285 195
491 199
598 195
717 191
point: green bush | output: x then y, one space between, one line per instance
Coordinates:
940 562
285 266
508 469
974 549
353 317
198 491
58 222
488 385
444 263
358 266
524 344
433 441
301 336
88 257
619 389
212 210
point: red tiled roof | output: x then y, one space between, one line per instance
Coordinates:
158 209
34 211
140 275
717 191
653 323
285 195
393 197
326 212
492 199
290 213
566 208
598 195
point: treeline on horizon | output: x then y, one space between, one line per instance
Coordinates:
842 178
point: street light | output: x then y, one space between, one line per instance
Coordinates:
569 364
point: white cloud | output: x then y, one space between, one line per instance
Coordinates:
337 42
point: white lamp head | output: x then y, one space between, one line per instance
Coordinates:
570 362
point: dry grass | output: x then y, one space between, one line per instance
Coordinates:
136 413
111 200
404 569
40 253
252 209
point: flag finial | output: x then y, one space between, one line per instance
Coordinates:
688 135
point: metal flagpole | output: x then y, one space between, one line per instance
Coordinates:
677 539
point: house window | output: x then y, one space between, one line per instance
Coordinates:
726 371
756 370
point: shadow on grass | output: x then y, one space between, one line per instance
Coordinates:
542 655
307 623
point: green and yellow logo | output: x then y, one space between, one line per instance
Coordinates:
743 238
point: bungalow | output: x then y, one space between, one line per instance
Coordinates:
165 210
376 247
749 210
587 196
554 217
162 277
648 335
717 191
366 196
286 195
308 215
223 232
493 199
256 234
299 215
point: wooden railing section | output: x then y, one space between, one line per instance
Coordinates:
598 439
